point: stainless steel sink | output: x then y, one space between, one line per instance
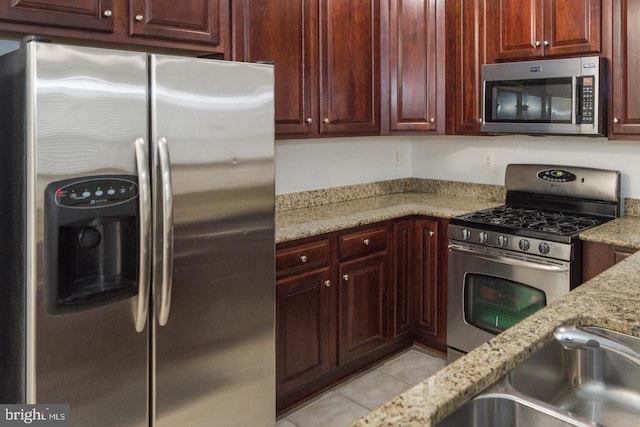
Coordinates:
503 410
591 382
586 377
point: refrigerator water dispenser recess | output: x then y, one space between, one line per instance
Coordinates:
91 241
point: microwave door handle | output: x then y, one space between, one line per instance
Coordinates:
167 232
141 308
577 100
508 261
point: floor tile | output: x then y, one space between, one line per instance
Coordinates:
285 423
373 389
413 366
332 410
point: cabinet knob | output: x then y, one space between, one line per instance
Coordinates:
309 120
325 121
366 242
107 13
616 120
327 283
480 120
432 120
345 277
139 18
431 233
537 43
303 258
546 43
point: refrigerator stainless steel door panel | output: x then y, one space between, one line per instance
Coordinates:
85 109
214 342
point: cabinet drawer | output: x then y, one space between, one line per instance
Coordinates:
362 242
310 255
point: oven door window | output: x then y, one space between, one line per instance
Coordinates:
530 101
495 304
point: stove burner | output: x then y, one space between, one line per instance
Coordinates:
552 222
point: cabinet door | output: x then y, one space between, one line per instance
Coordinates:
302 329
517 28
285 32
402 294
571 27
416 65
350 67
431 306
92 15
470 54
363 315
598 257
193 21
625 69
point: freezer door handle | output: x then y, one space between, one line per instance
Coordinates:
167 232
141 308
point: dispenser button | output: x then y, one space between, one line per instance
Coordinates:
99 193
86 194
111 191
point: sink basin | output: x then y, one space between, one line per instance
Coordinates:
593 383
498 410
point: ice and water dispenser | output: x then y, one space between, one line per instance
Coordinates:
91 241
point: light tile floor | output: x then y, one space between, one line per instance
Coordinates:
349 401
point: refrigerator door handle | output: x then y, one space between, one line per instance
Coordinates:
167 232
141 308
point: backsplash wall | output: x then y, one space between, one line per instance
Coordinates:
303 165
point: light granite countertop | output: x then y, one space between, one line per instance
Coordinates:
623 231
299 223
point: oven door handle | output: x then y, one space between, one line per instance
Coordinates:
507 260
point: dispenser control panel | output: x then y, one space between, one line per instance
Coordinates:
96 192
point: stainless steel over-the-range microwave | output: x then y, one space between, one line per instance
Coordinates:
555 96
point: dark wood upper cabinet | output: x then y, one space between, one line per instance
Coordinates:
285 32
349 67
326 57
90 15
201 27
543 28
196 21
625 103
414 66
467 43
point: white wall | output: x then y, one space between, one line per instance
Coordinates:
303 165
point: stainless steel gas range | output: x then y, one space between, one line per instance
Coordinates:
505 263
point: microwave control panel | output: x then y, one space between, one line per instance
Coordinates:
586 86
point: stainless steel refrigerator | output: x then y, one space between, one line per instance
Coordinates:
137 236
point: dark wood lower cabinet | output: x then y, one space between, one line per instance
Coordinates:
345 300
363 309
302 326
597 257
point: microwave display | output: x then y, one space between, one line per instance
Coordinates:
533 100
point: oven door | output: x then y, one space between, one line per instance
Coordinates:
490 290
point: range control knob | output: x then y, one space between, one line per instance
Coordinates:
544 248
503 241
483 237
524 245
466 234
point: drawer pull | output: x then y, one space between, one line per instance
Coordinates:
345 277
366 242
431 233
303 259
327 283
